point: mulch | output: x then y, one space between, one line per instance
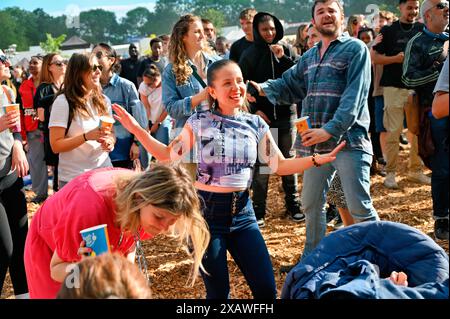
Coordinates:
169 264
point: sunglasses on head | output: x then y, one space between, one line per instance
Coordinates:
96 67
442 5
4 59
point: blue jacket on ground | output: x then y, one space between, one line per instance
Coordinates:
356 262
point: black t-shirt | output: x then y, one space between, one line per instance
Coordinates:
238 47
160 64
129 70
395 39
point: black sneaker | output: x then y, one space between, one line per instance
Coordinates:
294 212
39 199
332 212
441 229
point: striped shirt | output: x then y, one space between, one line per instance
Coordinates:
333 91
424 58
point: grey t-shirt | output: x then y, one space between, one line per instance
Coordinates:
442 83
7 178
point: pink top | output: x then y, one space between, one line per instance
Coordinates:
85 202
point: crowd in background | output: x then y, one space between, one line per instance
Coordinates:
370 84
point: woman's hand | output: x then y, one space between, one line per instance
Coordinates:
125 118
84 251
107 143
9 120
329 157
134 152
41 114
95 135
19 160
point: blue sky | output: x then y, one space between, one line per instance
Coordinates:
59 7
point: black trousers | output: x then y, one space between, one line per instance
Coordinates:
13 233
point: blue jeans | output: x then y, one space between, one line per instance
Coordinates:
440 168
354 171
240 235
379 111
284 135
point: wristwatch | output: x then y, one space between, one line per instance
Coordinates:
137 142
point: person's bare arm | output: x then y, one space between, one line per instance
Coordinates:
440 106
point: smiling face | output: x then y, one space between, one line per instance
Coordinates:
409 11
328 18
267 30
194 38
57 66
103 58
91 78
5 73
228 88
156 220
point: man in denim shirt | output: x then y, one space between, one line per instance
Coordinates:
332 80
124 93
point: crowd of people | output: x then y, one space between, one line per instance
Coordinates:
197 129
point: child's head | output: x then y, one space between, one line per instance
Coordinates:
226 85
108 276
366 35
152 76
158 198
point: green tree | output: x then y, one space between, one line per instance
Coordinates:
11 33
52 44
216 17
99 25
135 22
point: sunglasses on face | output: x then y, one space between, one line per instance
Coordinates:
442 5
96 67
59 63
100 54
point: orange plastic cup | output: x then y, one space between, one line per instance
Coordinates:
12 108
302 124
106 123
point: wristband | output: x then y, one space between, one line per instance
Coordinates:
136 142
84 136
313 158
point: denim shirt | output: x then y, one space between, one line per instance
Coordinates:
177 99
333 91
124 93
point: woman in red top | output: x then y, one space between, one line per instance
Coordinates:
133 205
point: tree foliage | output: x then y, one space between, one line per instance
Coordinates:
26 28
52 44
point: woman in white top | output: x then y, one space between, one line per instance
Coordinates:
75 120
150 92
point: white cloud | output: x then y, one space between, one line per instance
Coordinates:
119 10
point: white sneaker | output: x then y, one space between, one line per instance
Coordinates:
390 182
419 177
